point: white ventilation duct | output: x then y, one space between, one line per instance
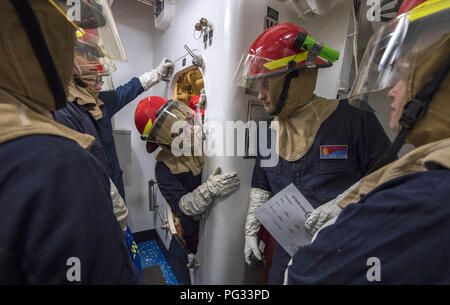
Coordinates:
309 8
164 11
165 17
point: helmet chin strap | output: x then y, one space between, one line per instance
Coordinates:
414 110
287 83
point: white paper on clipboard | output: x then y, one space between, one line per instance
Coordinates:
284 216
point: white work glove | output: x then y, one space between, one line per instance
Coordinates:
321 215
119 208
196 202
162 72
202 101
166 67
326 212
251 247
220 185
257 198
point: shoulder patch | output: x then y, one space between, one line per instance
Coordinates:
333 151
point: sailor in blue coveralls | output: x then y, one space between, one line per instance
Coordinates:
91 111
179 174
393 228
56 207
324 146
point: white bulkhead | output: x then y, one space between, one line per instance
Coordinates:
235 25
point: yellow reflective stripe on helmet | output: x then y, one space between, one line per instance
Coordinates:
427 8
279 63
147 128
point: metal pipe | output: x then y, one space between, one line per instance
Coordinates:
192 265
152 205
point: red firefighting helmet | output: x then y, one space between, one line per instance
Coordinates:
145 116
193 102
273 53
277 43
155 116
408 5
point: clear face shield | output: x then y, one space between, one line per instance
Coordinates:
98 40
253 71
89 60
175 129
105 82
391 57
266 77
95 25
91 66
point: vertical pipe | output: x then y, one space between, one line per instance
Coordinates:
151 195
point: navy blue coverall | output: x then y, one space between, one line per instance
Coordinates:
79 118
402 226
114 101
320 179
173 187
56 205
